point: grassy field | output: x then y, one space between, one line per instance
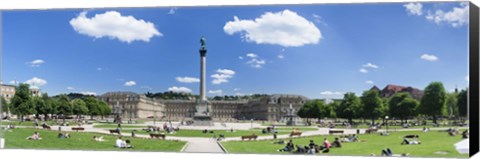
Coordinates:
434 144
15 139
199 133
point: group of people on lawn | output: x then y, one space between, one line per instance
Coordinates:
311 148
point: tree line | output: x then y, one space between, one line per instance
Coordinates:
435 103
61 106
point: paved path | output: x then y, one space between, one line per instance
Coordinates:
205 145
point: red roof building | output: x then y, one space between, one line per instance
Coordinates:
391 90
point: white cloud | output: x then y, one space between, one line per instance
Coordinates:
370 65
280 56
180 89
429 57
36 63
35 81
222 76
330 93
172 10
362 70
187 79
369 82
115 26
467 78
130 83
236 89
70 88
226 71
216 92
255 61
456 17
99 69
88 93
239 94
240 57
414 8
285 28
252 55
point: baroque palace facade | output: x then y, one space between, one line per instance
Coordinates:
270 108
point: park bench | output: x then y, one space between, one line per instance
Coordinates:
78 129
295 134
115 131
335 132
250 137
46 127
369 131
158 136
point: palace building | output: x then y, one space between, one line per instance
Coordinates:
270 108
391 89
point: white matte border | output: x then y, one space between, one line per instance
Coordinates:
65 4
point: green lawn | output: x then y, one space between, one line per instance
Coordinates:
433 142
199 133
15 138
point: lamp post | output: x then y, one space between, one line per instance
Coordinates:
386 122
251 121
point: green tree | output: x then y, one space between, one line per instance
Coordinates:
451 104
433 101
93 106
21 104
49 107
462 103
402 106
64 106
5 106
79 108
350 107
39 106
306 111
372 105
104 109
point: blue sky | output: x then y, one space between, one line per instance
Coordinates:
313 50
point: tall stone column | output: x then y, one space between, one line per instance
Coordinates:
203 86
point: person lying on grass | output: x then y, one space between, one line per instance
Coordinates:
99 139
63 135
288 148
410 142
35 136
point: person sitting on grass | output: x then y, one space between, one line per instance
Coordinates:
410 142
120 143
312 150
326 146
387 152
336 143
99 139
312 144
288 148
35 136
465 134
